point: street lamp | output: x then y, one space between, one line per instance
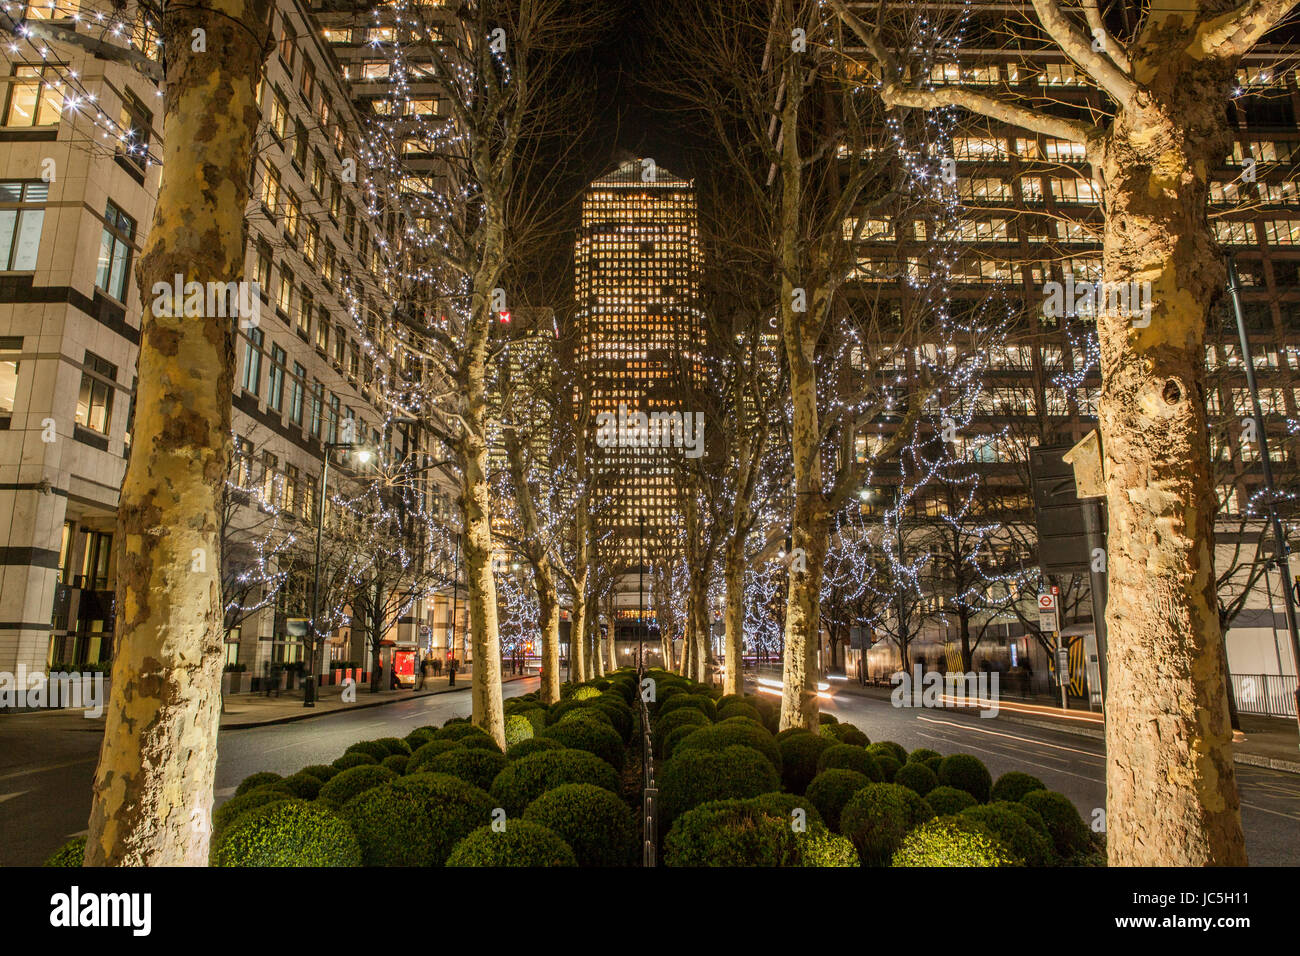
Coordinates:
363 455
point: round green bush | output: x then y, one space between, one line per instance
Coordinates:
933 763
663 726
952 841
346 784
353 759
849 757
799 756
375 748
595 738
1014 785
727 711
459 730
1033 818
693 777
321 771
302 785
585 692
521 843
559 709
524 780
235 807
785 804
730 833
922 754
619 714
792 732
1064 825
255 780
700 702
478 742
590 713
820 847
916 776
287 833
535 745
424 754
889 748
846 733
726 699
599 827
395 745
889 767
878 817
831 789
1025 842
966 773
471 764
518 729
824 718
416 820
742 733
949 800
396 763
675 737
418 738
72 853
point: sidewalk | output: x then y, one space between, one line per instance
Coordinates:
258 710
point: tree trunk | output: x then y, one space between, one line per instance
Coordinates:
152 798
578 636
734 579
549 613
1171 791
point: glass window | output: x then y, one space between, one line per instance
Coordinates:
114 266
10 348
275 396
135 122
20 224
35 97
95 402
252 381
296 394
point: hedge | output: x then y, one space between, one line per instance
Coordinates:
459 730
518 729
888 747
1030 846
916 776
72 853
591 736
675 737
700 702
420 760
302 785
949 800
396 763
878 817
831 789
348 783
741 733
849 757
526 779
1069 833
253 781
889 767
416 820
952 841
373 748
799 756
966 773
471 764
922 754
235 807
353 759
287 833
728 711
521 843
846 733
693 777
321 771
599 827
747 833
532 746
666 724
1014 785
785 804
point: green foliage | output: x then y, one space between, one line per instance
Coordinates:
353 759
799 756
423 756
831 789
878 817
255 780
845 733
966 773
888 748
559 709
727 711
321 771
701 702
396 763
916 776
287 833
784 805
521 843
474 765
302 785
418 738
743 733
849 757
526 779
416 820
599 827
588 713
374 748
72 853
922 754
667 723
819 847
949 800
585 692
675 737
953 841
459 730
619 714
535 745
747 833
792 732
518 729
348 783
693 777
591 736
395 745
1014 785
933 763
1064 825
235 807
889 767
1000 818
478 742
824 718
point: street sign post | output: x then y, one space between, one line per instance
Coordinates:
1048 618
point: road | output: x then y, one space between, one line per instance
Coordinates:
47 761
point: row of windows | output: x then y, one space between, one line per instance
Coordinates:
94 398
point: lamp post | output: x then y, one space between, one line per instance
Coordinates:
363 456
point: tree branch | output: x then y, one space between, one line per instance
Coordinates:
1235 32
1115 81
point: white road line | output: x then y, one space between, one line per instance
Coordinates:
53 766
996 733
10 796
1023 760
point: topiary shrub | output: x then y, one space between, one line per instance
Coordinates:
348 783
665 725
675 737
72 853
418 738
889 767
922 754
701 702
820 847
591 736
321 771
459 730
1001 819
255 780
395 745
478 742
535 745
849 757
791 732
952 841
730 833
785 804
235 807
559 709
693 777
727 711
287 833
375 748
589 713
416 820
888 748
1014 785
1034 819
598 826
526 779
302 785
1064 825
521 843
946 801
878 817
845 733
585 692
916 776
471 764
619 714
933 763
799 756
966 773
831 789
423 756
353 759
518 729
743 733
396 763
824 718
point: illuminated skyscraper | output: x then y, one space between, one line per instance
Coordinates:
637 265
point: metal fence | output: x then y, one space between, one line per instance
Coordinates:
1270 695
649 792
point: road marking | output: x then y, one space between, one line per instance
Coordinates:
996 733
53 766
10 796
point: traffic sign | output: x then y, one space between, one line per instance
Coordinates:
1047 616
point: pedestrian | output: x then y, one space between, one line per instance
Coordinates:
451 672
420 665
393 682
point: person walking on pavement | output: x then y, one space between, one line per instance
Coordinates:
451 672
